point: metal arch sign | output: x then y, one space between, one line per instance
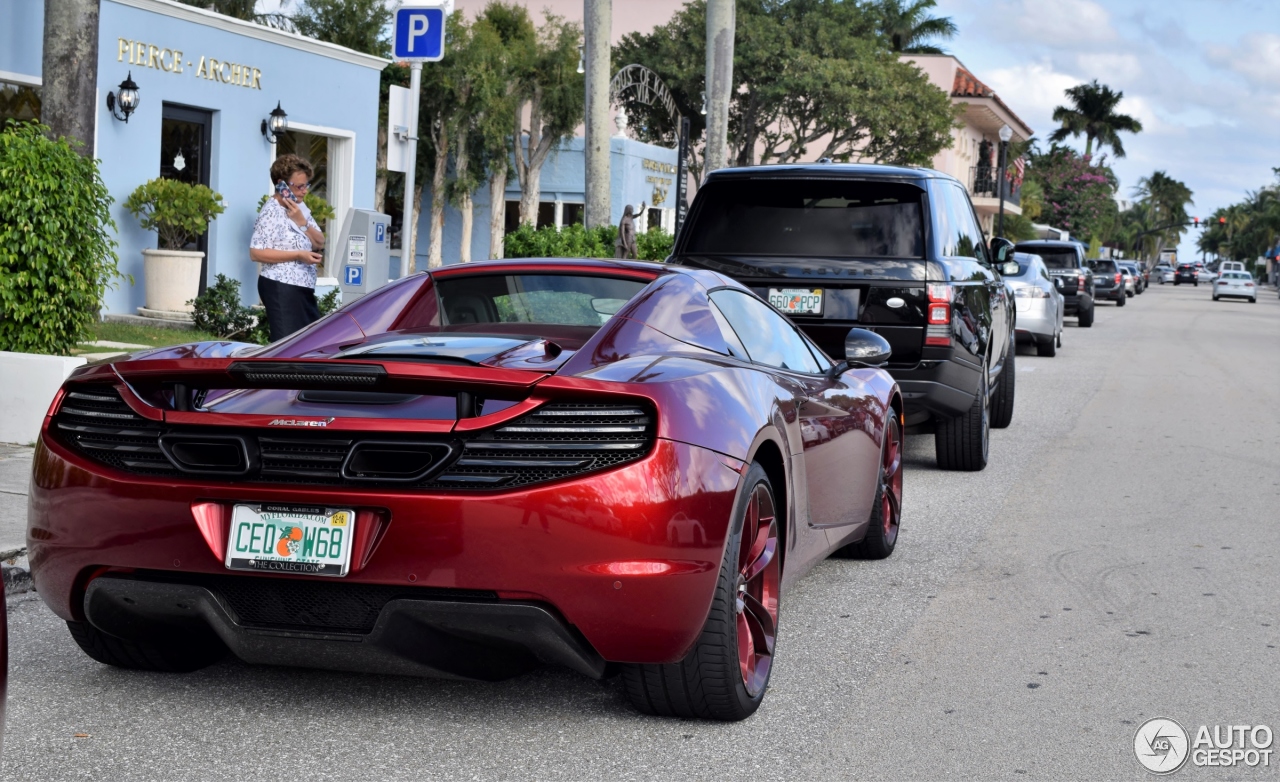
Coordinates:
419 30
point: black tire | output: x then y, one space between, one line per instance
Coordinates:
1215 298
1058 340
880 542
176 657
962 443
707 683
1123 300
1006 388
1047 347
1086 318
1196 283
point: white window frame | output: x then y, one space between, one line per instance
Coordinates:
340 183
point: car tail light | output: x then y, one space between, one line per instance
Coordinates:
1080 283
1117 279
1030 292
56 403
938 330
1248 285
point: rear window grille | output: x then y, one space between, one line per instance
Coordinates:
553 443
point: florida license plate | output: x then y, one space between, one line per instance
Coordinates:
796 301
303 539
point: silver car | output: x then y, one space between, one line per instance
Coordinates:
1039 304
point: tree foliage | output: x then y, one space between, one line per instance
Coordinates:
1247 229
1093 114
1078 195
245 10
814 78
1156 220
362 25
57 254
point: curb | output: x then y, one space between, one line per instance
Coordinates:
17 579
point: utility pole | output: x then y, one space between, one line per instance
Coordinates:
69 71
719 81
597 28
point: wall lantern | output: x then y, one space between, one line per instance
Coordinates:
276 125
124 104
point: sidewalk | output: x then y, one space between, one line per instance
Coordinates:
15 471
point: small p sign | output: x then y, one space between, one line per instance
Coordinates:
353 275
419 33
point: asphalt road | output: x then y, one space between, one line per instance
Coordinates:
1116 560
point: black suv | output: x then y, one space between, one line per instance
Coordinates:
1108 282
1066 264
895 250
1187 272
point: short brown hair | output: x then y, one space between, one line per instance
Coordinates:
286 166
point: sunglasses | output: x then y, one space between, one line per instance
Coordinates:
302 188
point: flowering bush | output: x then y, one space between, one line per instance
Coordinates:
1077 193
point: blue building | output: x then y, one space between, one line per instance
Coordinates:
206 82
640 175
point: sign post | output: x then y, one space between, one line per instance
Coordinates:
418 37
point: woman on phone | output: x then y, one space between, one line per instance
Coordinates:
287 241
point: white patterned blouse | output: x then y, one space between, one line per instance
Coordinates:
273 230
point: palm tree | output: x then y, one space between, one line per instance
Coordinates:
1094 116
906 26
1162 201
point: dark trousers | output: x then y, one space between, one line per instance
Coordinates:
289 307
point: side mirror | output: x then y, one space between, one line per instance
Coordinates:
865 348
1001 249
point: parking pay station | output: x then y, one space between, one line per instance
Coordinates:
364 258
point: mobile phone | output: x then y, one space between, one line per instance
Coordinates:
283 189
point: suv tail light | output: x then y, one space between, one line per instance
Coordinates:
1117 279
1080 283
938 330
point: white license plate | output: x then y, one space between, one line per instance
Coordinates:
796 301
282 538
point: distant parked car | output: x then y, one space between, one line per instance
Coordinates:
1108 282
1065 262
1235 285
1038 302
1134 269
1187 272
1163 272
1130 281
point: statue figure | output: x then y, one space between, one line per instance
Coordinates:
625 245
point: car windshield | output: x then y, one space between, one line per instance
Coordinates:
1237 276
810 217
561 299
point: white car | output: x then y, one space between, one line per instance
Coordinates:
1163 272
1235 285
1130 283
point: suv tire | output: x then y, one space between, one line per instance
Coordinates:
1086 318
173 657
1123 300
1002 399
961 443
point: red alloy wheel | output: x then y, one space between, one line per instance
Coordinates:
757 599
891 477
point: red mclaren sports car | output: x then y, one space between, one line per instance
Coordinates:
616 467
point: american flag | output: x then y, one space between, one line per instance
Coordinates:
1019 168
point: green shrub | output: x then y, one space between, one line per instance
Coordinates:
177 211
57 254
320 208
218 310
654 244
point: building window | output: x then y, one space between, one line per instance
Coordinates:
546 215
574 214
19 102
655 218
315 149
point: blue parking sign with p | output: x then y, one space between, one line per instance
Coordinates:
419 33
379 233
354 275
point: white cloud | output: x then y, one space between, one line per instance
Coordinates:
1256 58
1065 23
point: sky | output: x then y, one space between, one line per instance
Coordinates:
1203 76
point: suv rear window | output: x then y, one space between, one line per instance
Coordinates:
810 217
1104 267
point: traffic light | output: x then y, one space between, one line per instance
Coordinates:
1196 221
1222 221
